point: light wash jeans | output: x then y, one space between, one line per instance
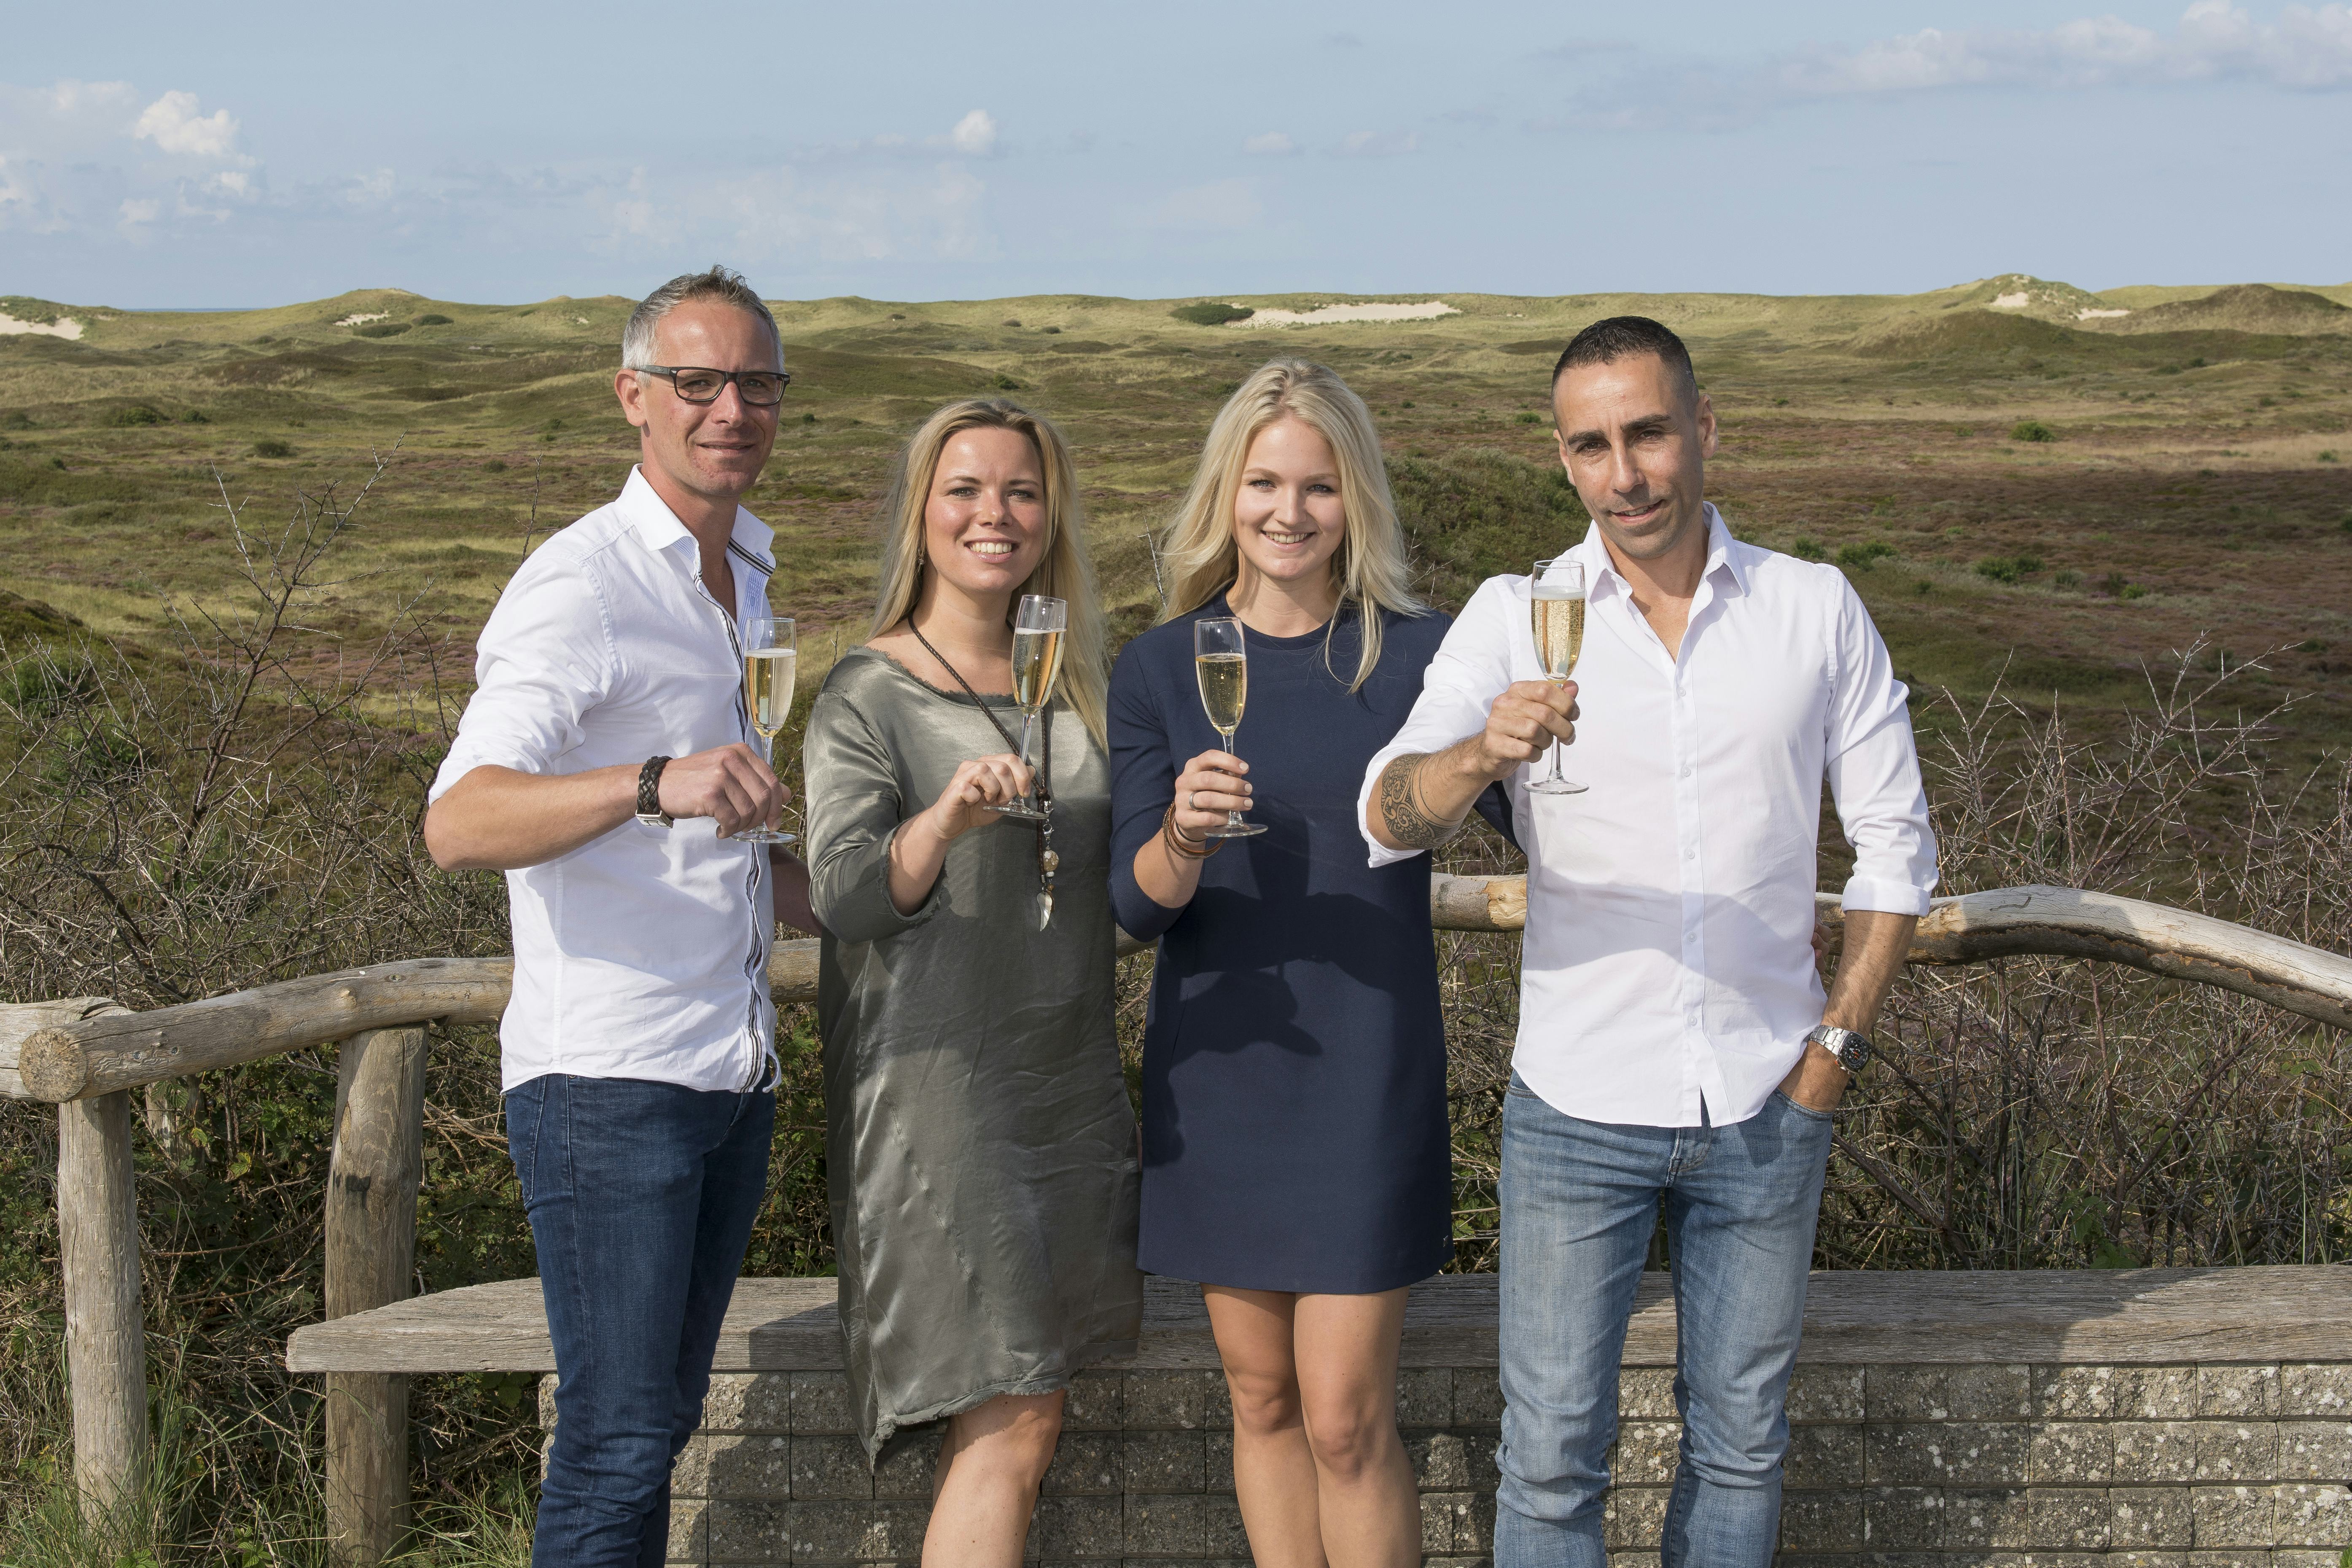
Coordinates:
641 1198
1579 1205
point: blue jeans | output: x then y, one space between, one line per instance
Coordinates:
641 1198
1579 1205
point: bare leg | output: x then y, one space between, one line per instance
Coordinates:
1273 1469
1346 1352
986 1484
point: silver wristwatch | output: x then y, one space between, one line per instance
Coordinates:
1853 1051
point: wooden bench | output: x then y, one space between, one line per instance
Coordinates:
1944 1414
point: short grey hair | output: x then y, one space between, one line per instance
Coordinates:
719 283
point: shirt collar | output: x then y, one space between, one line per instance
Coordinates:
658 526
1723 555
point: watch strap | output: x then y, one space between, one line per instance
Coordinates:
1852 1048
649 810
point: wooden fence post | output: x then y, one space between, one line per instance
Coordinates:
106 1343
372 1183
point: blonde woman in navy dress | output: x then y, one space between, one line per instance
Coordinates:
1296 1157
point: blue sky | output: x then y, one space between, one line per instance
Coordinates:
167 157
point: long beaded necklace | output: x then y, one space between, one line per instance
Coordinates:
1048 860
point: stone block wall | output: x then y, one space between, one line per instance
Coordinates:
1898 1466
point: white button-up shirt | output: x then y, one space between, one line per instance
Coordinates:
1667 962
644 952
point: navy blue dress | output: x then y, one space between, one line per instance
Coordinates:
1295 1130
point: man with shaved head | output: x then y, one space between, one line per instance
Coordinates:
1675 1045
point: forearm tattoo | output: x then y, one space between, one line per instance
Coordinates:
1409 826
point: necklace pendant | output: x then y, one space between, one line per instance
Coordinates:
1049 861
1045 910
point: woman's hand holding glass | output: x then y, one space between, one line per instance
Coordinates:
1209 788
971 796
974 794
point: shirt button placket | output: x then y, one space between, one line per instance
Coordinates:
1687 830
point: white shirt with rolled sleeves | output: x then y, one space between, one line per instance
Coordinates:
644 952
1667 966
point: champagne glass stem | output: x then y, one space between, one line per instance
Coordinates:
1232 814
1555 762
1028 796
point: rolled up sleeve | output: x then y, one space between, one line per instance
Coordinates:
1471 668
545 658
1874 774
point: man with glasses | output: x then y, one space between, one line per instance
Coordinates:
604 765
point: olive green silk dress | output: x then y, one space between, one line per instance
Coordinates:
980 1145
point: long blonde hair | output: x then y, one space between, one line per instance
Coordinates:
1368 569
1061 573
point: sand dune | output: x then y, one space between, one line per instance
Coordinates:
63 326
1427 310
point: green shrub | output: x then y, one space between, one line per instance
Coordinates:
1530 418
2031 430
1050 329
808 418
16 419
494 466
2327 455
1806 547
2068 579
1011 320
1863 557
1005 383
435 320
1923 587
195 416
2008 568
272 449
380 329
137 413
1212 313
2133 590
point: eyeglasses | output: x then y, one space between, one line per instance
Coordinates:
693 383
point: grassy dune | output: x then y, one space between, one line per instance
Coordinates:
2021 491
2193 480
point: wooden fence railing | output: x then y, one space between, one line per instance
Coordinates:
87 1054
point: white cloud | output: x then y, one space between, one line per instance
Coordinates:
2215 39
173 123
141 209
1377 144
1273 144
975 134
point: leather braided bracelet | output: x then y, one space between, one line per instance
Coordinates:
1190 848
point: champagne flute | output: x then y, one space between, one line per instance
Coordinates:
1556 602
1221 664
771 660
1039 627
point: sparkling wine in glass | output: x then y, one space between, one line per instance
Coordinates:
1556 601
1038 630
770 660
1221 664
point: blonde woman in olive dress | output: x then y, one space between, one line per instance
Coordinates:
979 1141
